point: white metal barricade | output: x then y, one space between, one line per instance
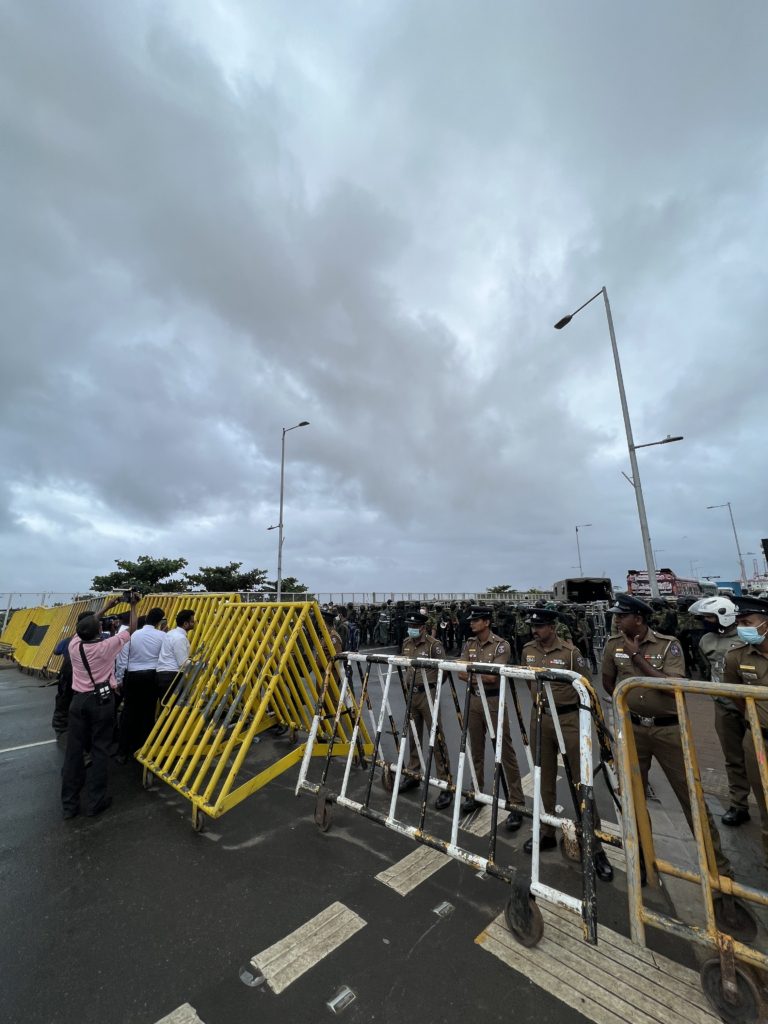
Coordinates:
372 693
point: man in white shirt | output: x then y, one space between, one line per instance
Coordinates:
139 686
175 650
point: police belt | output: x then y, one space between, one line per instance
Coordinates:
490 691
565 709
419 687
648 722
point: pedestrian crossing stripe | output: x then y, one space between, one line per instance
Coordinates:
412 870
184 1014
615 982
285 961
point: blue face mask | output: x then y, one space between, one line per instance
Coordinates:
413 633
750 635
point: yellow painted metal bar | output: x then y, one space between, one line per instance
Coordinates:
248 738
269 657
263 635
705 852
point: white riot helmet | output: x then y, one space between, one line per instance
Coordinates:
722 608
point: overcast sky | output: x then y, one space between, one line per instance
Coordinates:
221 218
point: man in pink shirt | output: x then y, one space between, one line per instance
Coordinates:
91 719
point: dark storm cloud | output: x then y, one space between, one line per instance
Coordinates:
218 223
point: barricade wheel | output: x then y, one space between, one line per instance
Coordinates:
198 820
323 811
524 919
387 779
147 779
745 1009
734 919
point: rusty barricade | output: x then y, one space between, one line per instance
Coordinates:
368 686
733 979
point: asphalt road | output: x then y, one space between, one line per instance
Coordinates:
125 917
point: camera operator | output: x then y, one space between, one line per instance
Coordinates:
92 711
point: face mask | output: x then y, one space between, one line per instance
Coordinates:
750 635
413 633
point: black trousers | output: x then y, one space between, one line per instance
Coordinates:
90 728
138 717
163 681
63 700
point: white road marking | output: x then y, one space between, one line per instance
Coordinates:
615 982
184 1014
412 870
26 746
479 822
285 961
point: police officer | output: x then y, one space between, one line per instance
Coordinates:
548 650
749 664
419 644
485 646
637 650
329 617
718 615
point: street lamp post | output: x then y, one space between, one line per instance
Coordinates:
631 446
742 570
279 527
581 526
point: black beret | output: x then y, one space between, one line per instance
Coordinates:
748 605
416 619
543 617
479 611
626 604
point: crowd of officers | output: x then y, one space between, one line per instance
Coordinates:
721 638
386 625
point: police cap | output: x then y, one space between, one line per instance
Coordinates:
543 617
328 614
626 604
748 605
416 619
480 611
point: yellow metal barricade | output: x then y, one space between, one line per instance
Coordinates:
734 978
13 633
257 666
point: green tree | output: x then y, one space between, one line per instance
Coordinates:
146 574
500 588
292 586
226 578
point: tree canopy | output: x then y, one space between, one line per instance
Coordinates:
159 575
226 578
146 574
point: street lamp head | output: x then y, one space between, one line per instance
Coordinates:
305 423
669 440
564 322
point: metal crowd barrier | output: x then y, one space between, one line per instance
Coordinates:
256 667
361 694
733 978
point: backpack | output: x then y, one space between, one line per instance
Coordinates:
353 631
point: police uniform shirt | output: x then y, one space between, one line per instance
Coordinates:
747 664
714 647
495 651
561 655
422 647
663 653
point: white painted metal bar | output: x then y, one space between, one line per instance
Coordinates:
507 675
